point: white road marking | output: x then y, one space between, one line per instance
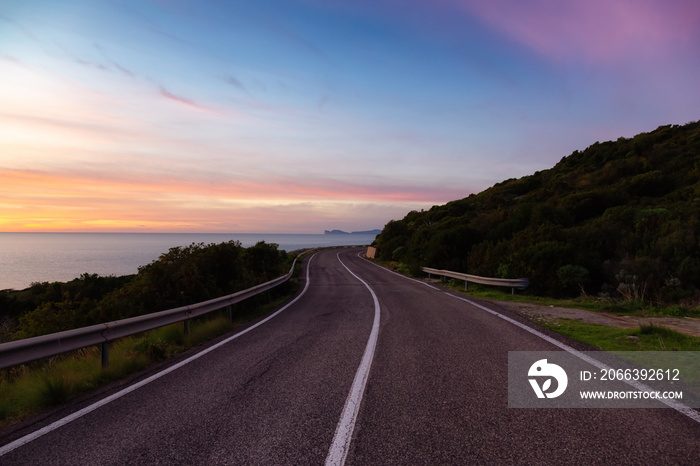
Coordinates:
343 432
78 414
401 275
680 407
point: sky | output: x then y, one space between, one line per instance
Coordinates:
274 116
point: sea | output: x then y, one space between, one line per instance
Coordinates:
26 258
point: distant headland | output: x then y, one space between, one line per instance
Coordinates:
341 232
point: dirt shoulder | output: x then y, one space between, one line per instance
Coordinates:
535 312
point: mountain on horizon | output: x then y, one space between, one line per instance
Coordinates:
341 232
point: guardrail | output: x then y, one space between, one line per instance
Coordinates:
512 283
30 349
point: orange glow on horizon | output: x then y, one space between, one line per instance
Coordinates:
33 201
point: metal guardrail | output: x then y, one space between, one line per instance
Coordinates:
30 349
512 283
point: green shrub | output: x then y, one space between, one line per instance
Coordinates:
573 276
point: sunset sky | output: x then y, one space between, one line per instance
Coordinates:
299 116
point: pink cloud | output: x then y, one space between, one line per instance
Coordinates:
594 30
176 98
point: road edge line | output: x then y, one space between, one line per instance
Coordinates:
673 404
105 401
402 275
676 405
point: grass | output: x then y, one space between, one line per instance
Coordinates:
636 308
644 338
29 388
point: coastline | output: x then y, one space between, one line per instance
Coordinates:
26 258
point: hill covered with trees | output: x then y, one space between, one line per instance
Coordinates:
619 219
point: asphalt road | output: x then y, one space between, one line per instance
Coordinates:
434 392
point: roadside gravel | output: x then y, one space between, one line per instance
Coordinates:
535 312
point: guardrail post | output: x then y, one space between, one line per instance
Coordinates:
466 285
105 354
186 323
229 313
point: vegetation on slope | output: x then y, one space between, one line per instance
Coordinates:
619 219
182 276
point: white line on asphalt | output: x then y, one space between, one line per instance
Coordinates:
343 433
78 414
680 407
401 275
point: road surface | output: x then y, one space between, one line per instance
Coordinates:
364 367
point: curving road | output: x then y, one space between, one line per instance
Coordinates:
363 367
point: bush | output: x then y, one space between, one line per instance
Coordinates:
573 276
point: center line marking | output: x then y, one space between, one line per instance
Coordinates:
343 433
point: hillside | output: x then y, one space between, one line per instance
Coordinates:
618 219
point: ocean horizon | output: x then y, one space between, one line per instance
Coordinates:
32 257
